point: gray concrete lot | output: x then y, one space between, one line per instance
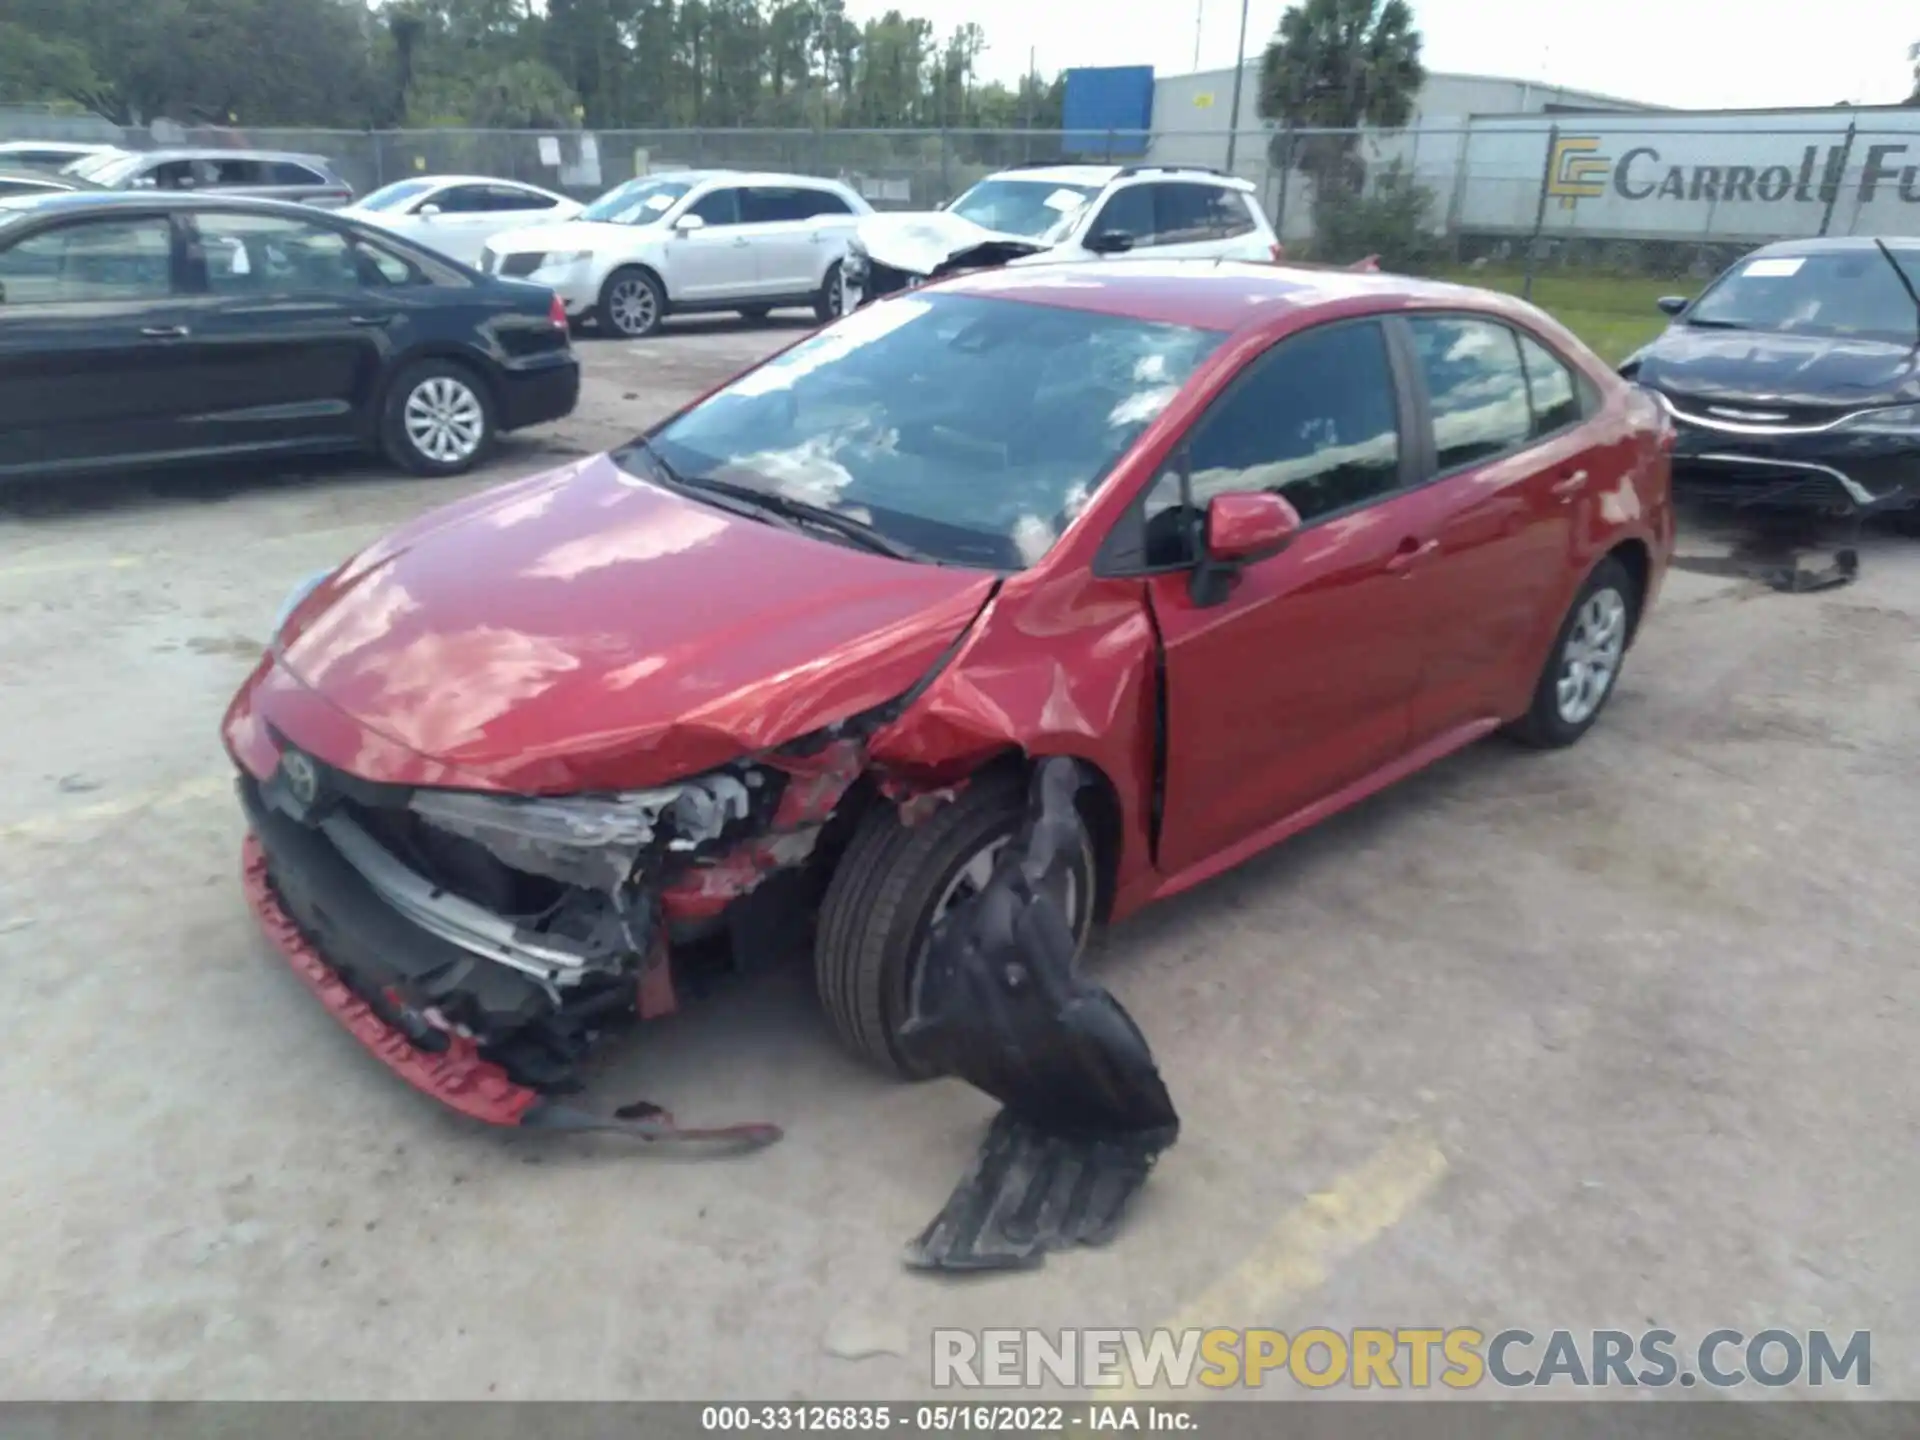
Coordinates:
1622 1036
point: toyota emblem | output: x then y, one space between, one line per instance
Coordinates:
303 781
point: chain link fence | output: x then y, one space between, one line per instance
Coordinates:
1535 203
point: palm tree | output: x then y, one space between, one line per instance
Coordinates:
1336 65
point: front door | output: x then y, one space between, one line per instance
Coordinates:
1508 454
1301 681
91 321
717 261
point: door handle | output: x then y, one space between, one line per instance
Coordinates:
165 332
369 319
1567 486
1409 552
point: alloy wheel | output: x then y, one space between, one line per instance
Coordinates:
1590 659
632 305
445 420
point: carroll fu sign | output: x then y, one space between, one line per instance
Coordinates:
1744 176
1579 170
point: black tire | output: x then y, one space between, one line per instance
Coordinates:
755 314
880 902
1546 725
827 302
631 314
444 388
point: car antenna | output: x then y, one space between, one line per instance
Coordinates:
1905 284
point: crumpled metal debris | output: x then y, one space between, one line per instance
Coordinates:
1000 1004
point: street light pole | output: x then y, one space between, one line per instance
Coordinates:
1239 69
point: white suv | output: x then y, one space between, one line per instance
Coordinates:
690 241
1065 212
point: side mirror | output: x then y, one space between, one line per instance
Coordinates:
428 211
1110 242
1671 304
687 224
1242 526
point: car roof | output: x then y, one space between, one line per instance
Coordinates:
1831 244
463 180
75 148
79 202
1225 295
220 153
740 177
1061 174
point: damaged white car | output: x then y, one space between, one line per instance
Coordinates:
1062 212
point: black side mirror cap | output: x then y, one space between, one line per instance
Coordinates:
1110 242
1672 304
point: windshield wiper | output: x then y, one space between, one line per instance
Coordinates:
772 504
1698 324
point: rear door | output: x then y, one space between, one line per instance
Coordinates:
91 320
794 232
1505 450
290 333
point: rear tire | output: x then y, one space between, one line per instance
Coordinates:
1583 667
830 302
437 418
632 304
884 897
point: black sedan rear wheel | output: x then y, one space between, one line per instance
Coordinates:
438 419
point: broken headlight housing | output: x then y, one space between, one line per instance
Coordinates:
597 841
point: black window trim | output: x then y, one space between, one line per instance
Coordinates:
178 272
1127 537
1583 389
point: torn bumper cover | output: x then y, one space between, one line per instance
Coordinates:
894 252
1001 1006
479 945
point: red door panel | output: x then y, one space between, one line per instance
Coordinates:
1299 684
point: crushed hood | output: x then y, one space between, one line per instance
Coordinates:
1757 366
585 629
921 242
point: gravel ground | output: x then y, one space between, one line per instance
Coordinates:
1620 1036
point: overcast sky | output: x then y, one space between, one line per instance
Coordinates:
1696 53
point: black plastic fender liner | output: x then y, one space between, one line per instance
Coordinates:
1000 1005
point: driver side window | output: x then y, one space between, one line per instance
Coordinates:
1316 419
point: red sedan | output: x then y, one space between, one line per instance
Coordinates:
1246 543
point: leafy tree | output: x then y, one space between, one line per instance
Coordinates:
1339 64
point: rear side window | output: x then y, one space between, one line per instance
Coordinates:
1476 388
285 172
1185 214
825 202
95 260
1556 396
466 200
511 197
270 254
1316 419
228 173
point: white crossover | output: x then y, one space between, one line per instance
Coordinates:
457 214
691 240
1065 212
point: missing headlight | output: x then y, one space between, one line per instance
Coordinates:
598 841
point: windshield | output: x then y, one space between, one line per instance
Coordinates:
400 192
88 167
113 170
1837 293
970 430
1022 207
638 202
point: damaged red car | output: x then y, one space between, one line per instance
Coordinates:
1246 543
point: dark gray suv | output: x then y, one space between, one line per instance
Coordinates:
263 174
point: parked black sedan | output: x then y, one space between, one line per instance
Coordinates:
1794 378
145 329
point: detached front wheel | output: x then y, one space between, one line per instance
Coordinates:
894 882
